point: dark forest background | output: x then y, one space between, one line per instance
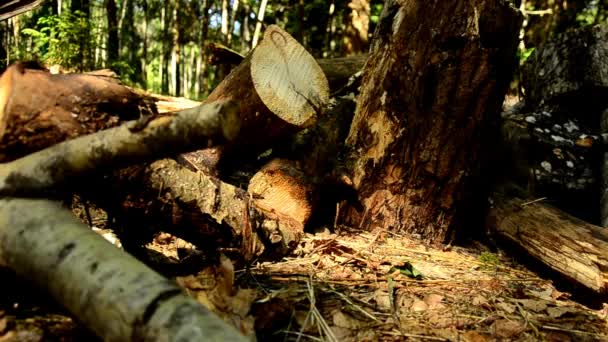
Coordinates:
161 45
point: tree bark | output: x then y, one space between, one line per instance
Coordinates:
430 91
176 51
38 109
112 33
203 126
356 28
572 247
258 25
112 293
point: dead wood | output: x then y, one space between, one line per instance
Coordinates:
281 90
39 109
12 8
207 125
419 135
574 248
281 190
212 213
112 293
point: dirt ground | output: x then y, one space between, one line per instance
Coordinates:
344 286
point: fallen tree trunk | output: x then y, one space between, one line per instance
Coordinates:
281 90
574 248
210 212
206 125
39 109
112 293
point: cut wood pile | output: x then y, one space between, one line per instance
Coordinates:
245 172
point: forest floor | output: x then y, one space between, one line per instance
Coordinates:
346 286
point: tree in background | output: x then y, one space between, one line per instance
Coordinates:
160 45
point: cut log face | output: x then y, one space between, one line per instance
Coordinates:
38 109
281 90
280 189
430 88
290 83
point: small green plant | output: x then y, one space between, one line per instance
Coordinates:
524 54
490 259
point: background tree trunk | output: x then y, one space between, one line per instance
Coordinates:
430 91
258 25
356 28
112 32
176 52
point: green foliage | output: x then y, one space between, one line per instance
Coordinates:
407 269
58 39
489 259
376 9
524 54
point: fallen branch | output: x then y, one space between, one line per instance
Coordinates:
206 125
112 293
39 109
574 248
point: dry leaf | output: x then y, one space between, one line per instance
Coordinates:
433 301
419 306
506 307
343 320
557 312
473 336
506 329
383 300
480 300
533 305
557 336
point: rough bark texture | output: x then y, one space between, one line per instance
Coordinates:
203 126
112 293
39 109
429 92
356 27
212 214
574 64
574 248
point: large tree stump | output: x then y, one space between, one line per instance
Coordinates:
430 89
39 109
574 248
281 90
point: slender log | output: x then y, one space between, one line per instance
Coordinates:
574 248
206 125
112 293
39 109
12 8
